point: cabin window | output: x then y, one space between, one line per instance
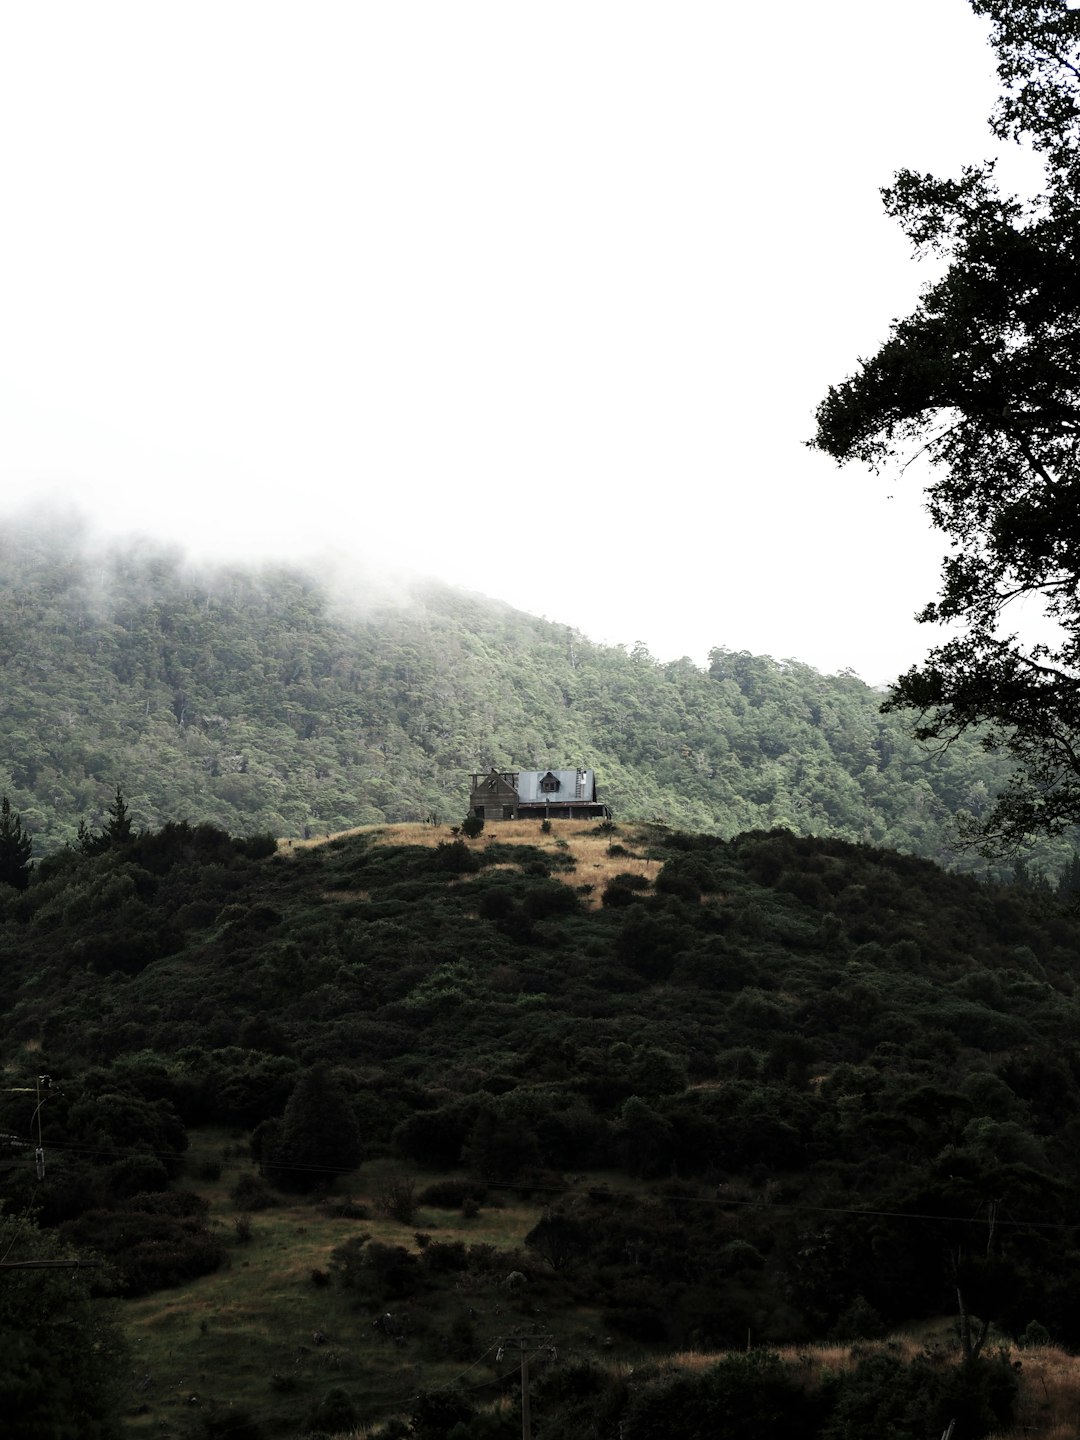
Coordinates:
549 784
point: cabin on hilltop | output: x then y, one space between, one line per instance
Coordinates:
546 794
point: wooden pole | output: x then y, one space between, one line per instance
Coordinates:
526 1422
523 1344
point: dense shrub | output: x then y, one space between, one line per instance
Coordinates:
251 1192
454 857
551 898
317 1138
156 1242
334 1413
623 889
436 1413
258 847
445 1256
452 1194
742 1397
883 1396
435 1137
393 1271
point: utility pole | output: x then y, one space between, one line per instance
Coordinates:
526 1418
526 1344
43 1082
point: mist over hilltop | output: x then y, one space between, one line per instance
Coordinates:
275 698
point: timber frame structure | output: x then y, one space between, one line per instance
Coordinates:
545 794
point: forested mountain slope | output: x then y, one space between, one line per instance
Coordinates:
265 700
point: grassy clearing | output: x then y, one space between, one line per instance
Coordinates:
263 1336
267 1335
594 864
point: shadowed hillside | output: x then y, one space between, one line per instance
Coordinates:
795 1088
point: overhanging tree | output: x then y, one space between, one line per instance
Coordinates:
62 1358
983 380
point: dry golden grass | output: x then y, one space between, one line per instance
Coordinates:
589 850
594 865
1048 1404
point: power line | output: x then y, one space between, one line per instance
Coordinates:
556 1191
73 1264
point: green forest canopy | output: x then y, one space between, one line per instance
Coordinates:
258 700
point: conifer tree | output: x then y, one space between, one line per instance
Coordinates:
1069 882
318 1136
119 827
116 832
15 849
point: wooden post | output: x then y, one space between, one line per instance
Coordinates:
526 1423
523 1344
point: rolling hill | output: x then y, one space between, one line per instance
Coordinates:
682 1088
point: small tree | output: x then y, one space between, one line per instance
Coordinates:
396 1198
15 849
559 1239
116 832
119 827
318 1136
472 826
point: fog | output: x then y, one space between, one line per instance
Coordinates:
537 301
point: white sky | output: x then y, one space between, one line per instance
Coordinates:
424 279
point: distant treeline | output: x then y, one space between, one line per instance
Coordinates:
258 700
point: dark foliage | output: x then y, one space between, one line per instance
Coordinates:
317 1139
334 1413
826 1025
16 848
984 380
62 1361
882 1396
153 1241
741 1398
